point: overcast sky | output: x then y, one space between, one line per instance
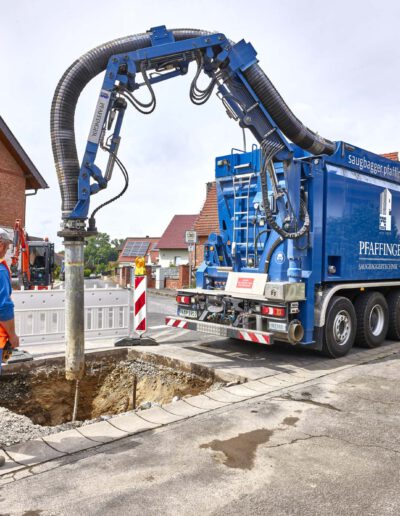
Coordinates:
337 65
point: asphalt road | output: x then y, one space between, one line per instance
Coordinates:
328 447
158 308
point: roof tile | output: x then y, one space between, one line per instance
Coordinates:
174 235
208 219
391 155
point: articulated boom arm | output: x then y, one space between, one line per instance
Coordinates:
223 62
248 96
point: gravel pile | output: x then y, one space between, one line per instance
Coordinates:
15 428
147 369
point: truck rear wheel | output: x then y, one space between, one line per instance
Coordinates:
393 301
372 319
340 327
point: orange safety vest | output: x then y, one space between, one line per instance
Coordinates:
3 333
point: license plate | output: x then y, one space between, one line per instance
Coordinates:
184 312
277 326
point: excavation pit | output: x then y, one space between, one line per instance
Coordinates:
40 391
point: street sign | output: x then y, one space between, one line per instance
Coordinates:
190 237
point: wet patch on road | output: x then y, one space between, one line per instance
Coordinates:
240 451
290 421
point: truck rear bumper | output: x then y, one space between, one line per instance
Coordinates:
259 337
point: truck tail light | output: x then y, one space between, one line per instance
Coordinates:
274 311
184 300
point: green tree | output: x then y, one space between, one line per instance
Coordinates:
117 242
99 251
56 272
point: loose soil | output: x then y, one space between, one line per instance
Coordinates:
42 393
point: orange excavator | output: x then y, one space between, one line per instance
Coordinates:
32 262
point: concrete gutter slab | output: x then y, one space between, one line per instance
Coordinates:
159 416
33 452
240 390
70 441
223 396
181 408
9 465
286 377
260 387
132 424
275 382
206 403
241 373
101 432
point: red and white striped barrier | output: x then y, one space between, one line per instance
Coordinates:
259 337
139 304
176 323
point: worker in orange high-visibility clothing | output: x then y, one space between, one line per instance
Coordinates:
7 325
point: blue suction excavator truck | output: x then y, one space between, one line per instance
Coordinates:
308 248
336 285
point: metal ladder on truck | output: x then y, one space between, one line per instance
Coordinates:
241 184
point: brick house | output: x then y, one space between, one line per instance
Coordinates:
18 178
172 246
207 222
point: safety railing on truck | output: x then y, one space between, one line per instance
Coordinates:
40 315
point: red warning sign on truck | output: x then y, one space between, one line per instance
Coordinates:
245 283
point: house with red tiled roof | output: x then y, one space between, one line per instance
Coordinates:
207 222
172 247
139 246
131 249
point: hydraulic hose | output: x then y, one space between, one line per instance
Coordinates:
77 76
271 251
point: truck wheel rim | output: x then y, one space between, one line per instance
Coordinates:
342 327
376 320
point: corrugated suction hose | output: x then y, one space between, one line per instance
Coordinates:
95 61
287 122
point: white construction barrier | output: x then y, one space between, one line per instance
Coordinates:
40 314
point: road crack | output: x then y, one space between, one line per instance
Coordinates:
289 397
333 438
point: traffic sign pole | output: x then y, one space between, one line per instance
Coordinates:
191 240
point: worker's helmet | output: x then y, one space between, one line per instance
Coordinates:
5 236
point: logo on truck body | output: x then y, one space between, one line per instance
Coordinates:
99 116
